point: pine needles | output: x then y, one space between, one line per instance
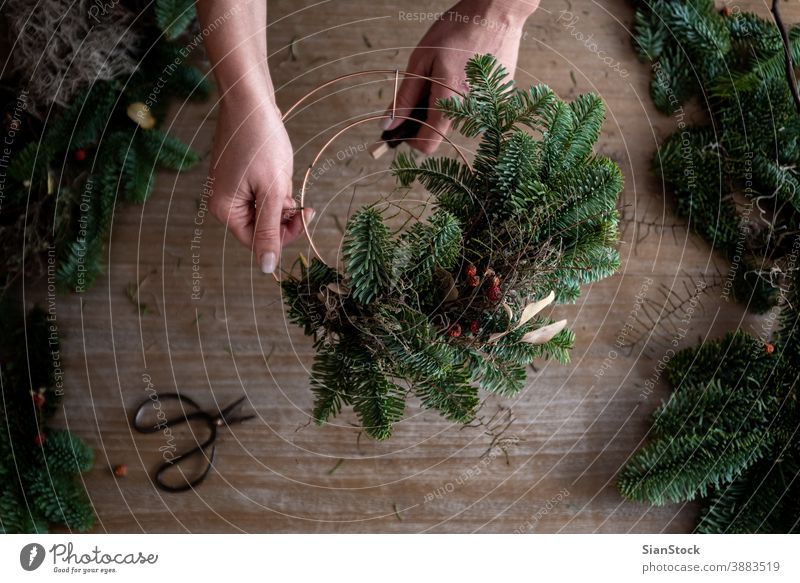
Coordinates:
728 435
70 173
66 174
438 309
39 467
735 178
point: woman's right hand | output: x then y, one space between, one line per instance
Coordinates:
251 172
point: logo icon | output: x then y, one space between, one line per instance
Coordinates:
31 556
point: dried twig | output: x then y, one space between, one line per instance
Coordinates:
658 324
787 49
336 467
397 511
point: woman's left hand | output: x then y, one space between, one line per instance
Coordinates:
470 27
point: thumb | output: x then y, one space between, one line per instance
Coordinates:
267 232
409 94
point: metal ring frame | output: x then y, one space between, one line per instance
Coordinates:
390 115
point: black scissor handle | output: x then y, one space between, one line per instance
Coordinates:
409 128
226 416
175 463
141 427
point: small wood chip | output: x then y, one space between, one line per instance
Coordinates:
378 149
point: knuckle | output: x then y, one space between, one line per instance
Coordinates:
216 201
218 207
426 145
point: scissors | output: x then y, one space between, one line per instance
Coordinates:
227 416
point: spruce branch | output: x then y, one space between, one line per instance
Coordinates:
533 215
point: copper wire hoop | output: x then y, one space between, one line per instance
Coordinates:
390 115
396 72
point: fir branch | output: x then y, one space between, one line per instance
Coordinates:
367 255
530 216
763 71
684 467
174 16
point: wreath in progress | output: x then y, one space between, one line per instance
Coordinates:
452 304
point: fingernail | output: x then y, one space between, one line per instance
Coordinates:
386 123
268 262
311 213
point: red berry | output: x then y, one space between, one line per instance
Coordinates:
769 348
494 281
455 331
726 11
473 327
39 439
473 281
38 400
79 154
494 294
471 271
121 470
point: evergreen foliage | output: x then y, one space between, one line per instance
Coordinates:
736 177
438 309
174 16
67 172
728 434
365 255
40 483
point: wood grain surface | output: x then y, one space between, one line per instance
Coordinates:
544 461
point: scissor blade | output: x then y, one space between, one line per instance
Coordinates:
227 416
241 419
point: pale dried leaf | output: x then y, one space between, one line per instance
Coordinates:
448 285
452 295
140 113
545 333
337 289
534 308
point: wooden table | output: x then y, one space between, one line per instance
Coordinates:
570 431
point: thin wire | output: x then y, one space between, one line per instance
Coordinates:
392 116
339 133
394 95
362 73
